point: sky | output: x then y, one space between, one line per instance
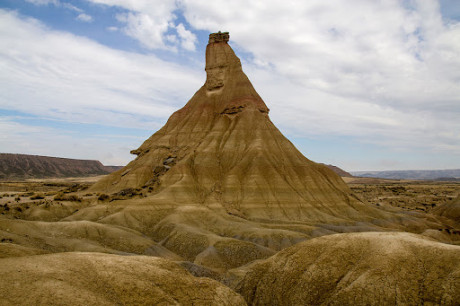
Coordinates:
363 85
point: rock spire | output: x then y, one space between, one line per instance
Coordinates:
221 150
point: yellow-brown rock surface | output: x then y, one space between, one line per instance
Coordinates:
450 210
104 279
355 269
221 150
217 188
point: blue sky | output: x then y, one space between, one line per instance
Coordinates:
364 85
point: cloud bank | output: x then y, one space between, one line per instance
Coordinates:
383 73
61 77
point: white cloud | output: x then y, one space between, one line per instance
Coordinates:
188 39
304 112
59 76
153 23
71 7
43 2
64 77
112 29
381 72
84 17
39 140
57 3
376 70
147 30
373 51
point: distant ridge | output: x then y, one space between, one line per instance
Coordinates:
338 170
23 166
444 175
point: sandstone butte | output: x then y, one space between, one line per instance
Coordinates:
222 151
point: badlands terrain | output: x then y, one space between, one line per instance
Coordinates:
23 166
219 208
49 258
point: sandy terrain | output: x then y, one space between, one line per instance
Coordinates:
405 194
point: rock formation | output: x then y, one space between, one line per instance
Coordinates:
219 191
221 150
450 210
337 170
24 166
104 279
443 175
355 269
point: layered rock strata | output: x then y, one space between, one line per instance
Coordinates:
222 150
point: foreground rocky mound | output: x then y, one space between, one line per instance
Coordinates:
450 210
355 269
103 279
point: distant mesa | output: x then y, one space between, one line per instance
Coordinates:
23 166
442 175
339 171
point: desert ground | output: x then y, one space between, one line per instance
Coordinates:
406 195
409 195
41 241
19 198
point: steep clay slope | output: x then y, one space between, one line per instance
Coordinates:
23 166
337 170
104 279
78 236
355 269
450 210
221 150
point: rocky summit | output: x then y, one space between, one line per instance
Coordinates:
222 150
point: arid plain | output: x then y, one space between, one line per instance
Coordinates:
37 240
219 208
